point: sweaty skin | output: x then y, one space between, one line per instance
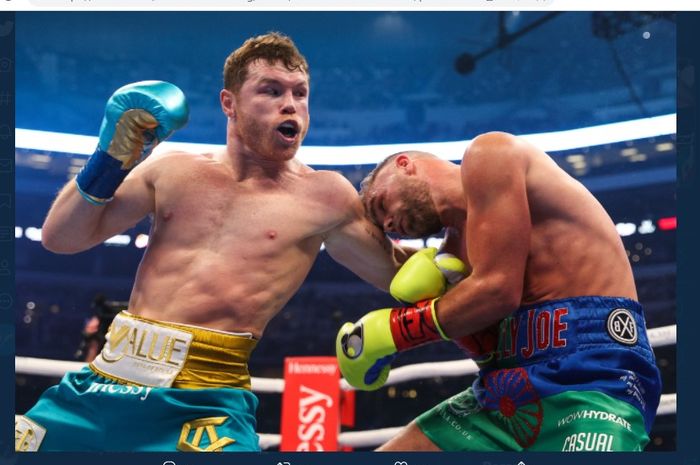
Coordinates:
234 233
529 231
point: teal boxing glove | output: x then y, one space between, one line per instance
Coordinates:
137 118
366 349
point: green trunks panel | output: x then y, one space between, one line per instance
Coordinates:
571 421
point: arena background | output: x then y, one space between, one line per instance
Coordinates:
376 78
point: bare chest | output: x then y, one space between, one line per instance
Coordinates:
212 210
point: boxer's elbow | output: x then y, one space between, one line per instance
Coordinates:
504 293
58 243
71 225
57 246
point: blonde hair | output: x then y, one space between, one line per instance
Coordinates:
366 183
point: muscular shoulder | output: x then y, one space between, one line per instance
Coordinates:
332 187
334 198
496 149
495 161
492 144
163 163
166 157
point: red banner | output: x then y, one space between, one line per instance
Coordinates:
347 412
310 404
347 408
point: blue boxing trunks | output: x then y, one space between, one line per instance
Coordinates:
575 374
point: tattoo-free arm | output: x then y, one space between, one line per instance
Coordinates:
498 231
73 225
361 246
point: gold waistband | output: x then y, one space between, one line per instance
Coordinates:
214 359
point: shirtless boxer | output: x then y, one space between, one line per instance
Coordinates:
549 311
234 234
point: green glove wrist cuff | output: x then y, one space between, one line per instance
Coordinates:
433 303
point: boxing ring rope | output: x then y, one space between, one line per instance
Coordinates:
658 337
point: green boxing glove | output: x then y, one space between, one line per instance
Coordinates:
365 349
426 275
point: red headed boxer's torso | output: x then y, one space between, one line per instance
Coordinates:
226 253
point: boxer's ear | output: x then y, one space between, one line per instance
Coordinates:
405 163
228 103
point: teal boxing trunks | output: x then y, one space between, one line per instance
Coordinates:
155 386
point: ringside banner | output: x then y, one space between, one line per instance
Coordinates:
310 404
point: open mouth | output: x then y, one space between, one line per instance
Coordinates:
289 129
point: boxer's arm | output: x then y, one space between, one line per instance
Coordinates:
366 349
361 246
112 183
498 227
73 225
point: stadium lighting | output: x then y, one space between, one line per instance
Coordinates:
371 154
141 241
120 240
626 229
668 224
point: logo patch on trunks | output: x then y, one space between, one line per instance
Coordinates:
28 434
463 404
143 352
204 437
510 393
622 327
